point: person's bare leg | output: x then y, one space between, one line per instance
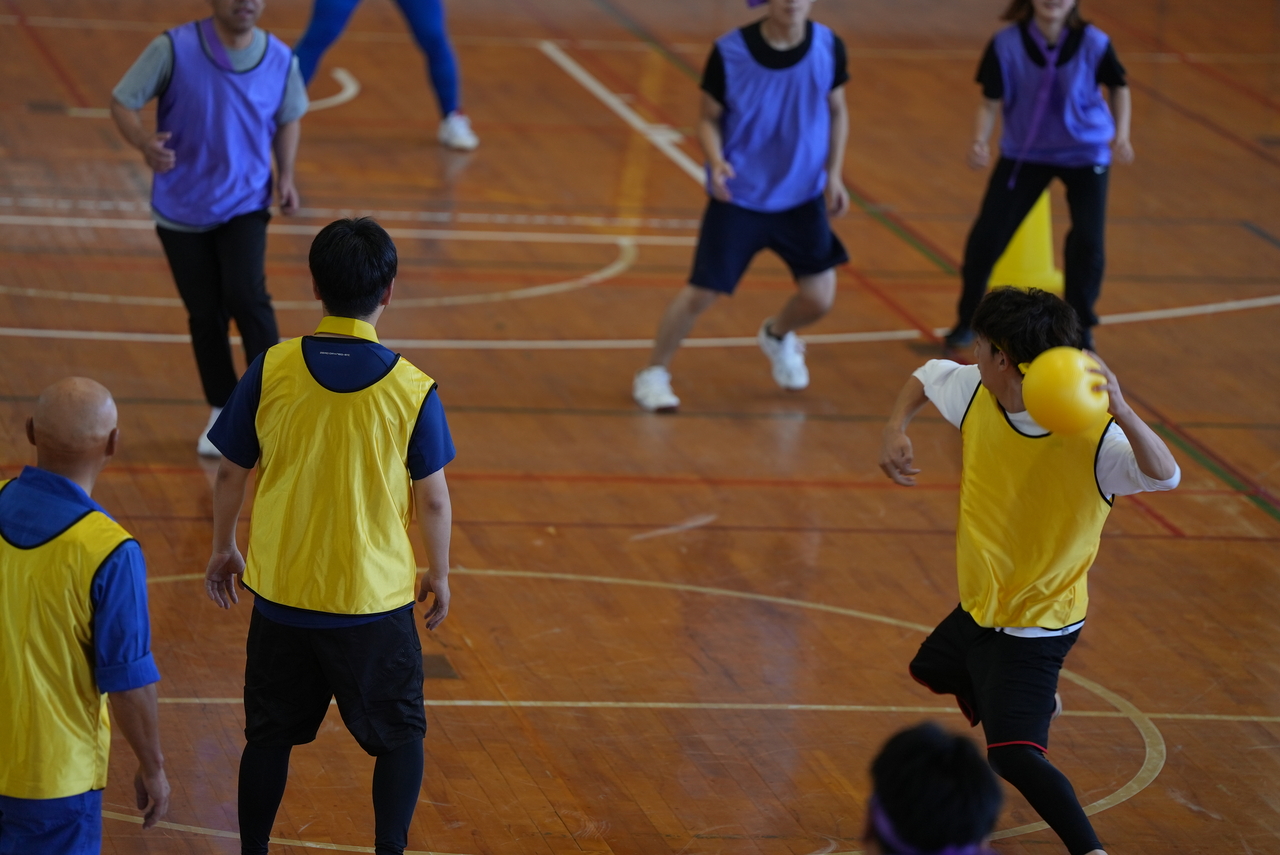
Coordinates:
677 321
813 298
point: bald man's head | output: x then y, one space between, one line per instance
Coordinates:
74 418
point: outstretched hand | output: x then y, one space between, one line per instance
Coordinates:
438 584
222 576
896 457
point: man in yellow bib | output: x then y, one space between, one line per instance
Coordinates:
73 630
1032 507
348 439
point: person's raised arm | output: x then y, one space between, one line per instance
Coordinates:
285 145
711 138
1122 107
1154 458
226 565
152 146
984 123
137 714
435 519
837 195
896 453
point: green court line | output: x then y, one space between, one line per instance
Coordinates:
915 243
638 30
1217 470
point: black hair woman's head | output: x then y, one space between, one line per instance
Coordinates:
934 794
353 263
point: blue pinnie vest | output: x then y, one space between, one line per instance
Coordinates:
1076 128
223 123
777 125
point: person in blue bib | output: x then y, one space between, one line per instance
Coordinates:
349 440
773 127
74 631
426 21
1032 508
1044 74
230 96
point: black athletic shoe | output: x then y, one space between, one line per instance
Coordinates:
959 338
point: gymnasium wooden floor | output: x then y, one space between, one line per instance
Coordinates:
687 634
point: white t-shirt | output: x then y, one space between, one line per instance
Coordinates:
950 386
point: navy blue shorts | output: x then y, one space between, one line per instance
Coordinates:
731 236
67 826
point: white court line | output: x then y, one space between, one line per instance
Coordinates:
664 138
691 523
350 88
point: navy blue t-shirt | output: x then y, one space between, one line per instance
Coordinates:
339 365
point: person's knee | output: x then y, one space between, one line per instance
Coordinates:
1014 762
695 300
819 290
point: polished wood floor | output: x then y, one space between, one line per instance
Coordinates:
687 634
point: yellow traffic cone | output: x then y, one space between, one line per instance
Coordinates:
1028 260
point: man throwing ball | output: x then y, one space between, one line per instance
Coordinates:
1032 507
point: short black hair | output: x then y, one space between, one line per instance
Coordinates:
353 262
935 788
1024 324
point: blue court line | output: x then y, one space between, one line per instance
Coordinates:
1262 233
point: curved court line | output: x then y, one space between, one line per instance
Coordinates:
350 88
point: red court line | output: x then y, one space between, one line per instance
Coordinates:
1157 516
1202 67
1206 123
893 304
52 61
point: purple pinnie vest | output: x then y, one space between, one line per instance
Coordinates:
223 123
1075 128
777 125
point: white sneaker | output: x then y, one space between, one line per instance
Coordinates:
455 132
652 390
204 447
787 357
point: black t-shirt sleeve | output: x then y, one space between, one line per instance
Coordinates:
841 62
1110 72
713 77
990 75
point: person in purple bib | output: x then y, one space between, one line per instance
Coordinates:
773 127
230 97
1043 73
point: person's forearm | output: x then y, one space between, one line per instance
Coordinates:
910 400
285 145
137 714
228 498
712 140
985 122
129 123
1122 106
839 139
1155 460
435 519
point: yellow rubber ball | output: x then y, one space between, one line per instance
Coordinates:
1059 394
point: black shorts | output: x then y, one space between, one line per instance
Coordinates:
731 236
1003 681
374 670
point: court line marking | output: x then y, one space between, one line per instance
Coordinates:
349 89
689 524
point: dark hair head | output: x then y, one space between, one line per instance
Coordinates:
935 788
1022 11
353 262
1024 324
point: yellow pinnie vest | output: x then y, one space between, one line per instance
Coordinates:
334 500
55 735
1031 516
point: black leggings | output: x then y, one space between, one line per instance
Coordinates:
1048 791
1003 210
397 782
221 275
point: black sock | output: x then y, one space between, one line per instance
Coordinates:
1048 791
397 782
263 773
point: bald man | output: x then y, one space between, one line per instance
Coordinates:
73 630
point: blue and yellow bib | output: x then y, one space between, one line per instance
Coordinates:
55 735
334 498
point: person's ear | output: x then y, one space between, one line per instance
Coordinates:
386 295
315 290
31 430
113 443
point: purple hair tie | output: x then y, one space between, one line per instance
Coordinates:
889 835
754 3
